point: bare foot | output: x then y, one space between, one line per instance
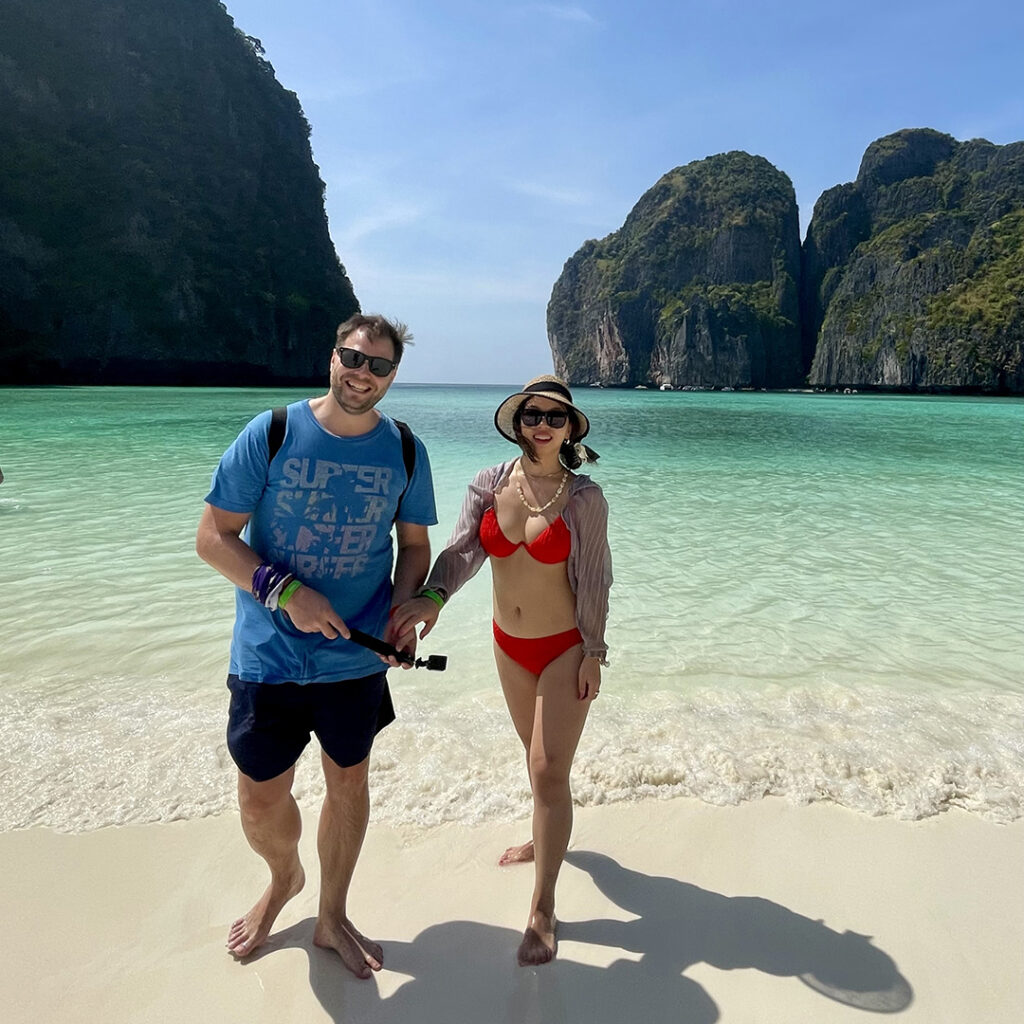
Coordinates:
358 953
517 855
538 945
250 932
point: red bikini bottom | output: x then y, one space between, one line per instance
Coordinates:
535 653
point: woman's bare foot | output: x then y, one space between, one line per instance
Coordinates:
358 953
250 932
517 855
538 945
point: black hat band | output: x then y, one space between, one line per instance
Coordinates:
549 385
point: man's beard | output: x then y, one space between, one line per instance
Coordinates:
353 404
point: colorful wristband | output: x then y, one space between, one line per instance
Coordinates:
267 582
434 596
274 596
286 594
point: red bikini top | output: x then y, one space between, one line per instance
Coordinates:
551 546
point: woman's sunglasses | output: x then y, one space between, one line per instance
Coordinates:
553 417
352 359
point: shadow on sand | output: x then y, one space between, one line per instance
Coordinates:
464 971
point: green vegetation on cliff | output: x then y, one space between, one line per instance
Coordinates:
913 275
161 218
991 295
699 286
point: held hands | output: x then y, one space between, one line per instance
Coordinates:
311 612
408 615
401 642
405 617
589 682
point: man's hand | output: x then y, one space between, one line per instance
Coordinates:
311 612
406 644
401 629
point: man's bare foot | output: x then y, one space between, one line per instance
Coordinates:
538 945
517 855
250 932
358 953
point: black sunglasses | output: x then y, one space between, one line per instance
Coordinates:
553 417
352 359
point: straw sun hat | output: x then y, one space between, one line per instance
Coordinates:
545 386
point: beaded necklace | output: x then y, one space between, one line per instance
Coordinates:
554 498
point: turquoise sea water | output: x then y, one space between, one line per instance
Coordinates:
816 596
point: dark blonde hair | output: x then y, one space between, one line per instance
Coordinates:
376 327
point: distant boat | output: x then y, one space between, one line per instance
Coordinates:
640 387
665 387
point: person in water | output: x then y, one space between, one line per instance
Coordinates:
544 529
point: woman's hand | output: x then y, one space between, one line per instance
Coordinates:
406 617
589 683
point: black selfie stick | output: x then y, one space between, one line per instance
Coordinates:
434 663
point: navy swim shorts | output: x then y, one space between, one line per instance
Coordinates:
269 724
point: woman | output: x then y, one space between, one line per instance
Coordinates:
545 531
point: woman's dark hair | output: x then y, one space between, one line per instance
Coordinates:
566 454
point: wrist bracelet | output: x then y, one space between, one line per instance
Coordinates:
274 596
434 596
267 583
286 594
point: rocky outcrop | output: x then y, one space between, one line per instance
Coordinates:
913 275
698 287
161 218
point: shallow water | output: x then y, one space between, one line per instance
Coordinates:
816 596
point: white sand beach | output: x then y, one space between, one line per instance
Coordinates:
671 911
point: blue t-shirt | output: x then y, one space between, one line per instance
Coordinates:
324 511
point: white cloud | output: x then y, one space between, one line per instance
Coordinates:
384 218
452 285
564 13
335 87
561 196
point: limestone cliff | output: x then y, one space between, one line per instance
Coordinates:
913 275
698 287
161 218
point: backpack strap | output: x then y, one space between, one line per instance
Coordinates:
275 432
408 457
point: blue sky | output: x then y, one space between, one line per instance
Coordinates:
469 148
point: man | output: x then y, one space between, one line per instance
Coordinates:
315 558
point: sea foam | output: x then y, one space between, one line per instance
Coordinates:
79 760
